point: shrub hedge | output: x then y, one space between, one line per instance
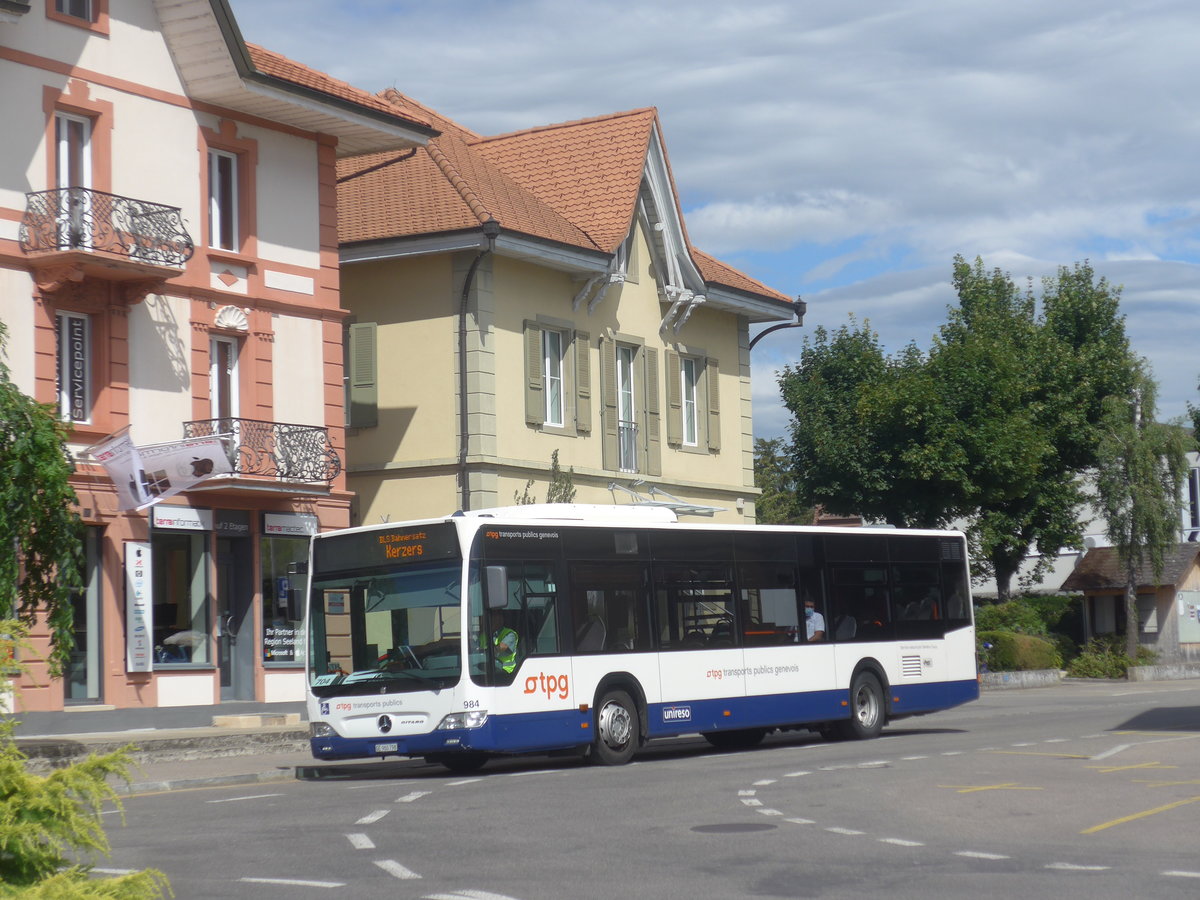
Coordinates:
1012 652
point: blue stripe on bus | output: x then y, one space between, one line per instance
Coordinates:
562 729
918 698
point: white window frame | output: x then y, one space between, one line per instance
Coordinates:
223 201
626 409
74 366
553 381
688 382
73 169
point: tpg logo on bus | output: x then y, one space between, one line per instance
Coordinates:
548 685
677 714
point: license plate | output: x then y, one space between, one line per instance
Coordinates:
386 748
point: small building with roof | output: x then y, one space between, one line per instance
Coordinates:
1168 606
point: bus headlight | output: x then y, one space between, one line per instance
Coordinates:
460 720
320 730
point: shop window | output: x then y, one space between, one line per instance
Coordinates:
181 599
283 599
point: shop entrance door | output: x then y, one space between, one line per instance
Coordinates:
235 625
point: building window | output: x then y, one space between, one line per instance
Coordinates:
283 599
626 416
181 605
223 200
687 375
552 375
223 378
76 9
74 367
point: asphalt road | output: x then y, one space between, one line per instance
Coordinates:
1087 790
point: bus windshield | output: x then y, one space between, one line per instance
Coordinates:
387 631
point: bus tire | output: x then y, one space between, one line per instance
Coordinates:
738 739
617 730
867 710
460 762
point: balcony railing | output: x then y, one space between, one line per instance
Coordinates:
95 221
299 453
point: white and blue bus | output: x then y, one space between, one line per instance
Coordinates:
628 626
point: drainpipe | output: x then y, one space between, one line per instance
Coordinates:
491 229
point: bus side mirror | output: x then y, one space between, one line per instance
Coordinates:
497 587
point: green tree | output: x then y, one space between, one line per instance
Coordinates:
1141 465
778 503
560 490
50 826
41 543
867 431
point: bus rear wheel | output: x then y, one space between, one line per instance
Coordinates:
739 739
617 730
866 709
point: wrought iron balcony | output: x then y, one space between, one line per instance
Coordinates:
298 453
95 221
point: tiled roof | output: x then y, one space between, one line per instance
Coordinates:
1100 569
590 169
273 64
575 183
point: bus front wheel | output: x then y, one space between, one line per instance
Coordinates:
617 730
866 709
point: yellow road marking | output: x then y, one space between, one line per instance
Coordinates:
1035 753
971 789
1105 770
1164 783
1141 815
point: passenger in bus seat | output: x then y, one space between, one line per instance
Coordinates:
814 622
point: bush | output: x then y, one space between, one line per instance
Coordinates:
1104 657
1011 652
1040 614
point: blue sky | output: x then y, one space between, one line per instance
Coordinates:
846 152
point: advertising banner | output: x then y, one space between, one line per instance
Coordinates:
139 613
146 475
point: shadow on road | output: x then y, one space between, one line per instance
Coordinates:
1170 718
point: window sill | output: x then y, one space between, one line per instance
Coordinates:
215 255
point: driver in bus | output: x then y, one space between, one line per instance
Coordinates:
504 641
814 622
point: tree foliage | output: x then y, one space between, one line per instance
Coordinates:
1140 470
560 490
40 530
50 826
993 426
778 503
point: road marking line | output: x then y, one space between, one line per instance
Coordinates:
236 799
396 870
372 818
769 812
1036 753
764 782
900 842
360 841
294 881
875 764
468 895
1174 873
1142 815
750 801
954 753
847 831
536 772
974 789
1108 770
801 821
1112 751
1165 783
912 758
415 795
1055 740
796 774
747 793
462 781
976 854
1073 867
1025 744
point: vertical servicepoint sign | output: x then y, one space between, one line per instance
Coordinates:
139 621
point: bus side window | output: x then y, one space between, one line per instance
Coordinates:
608 607
695 607
860 603
770 611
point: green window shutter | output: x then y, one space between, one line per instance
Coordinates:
674 399
653 414
608 403
535 404
363 394
583 382
712 378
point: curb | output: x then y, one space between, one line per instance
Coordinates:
181 784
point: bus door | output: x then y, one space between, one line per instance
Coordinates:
696 623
